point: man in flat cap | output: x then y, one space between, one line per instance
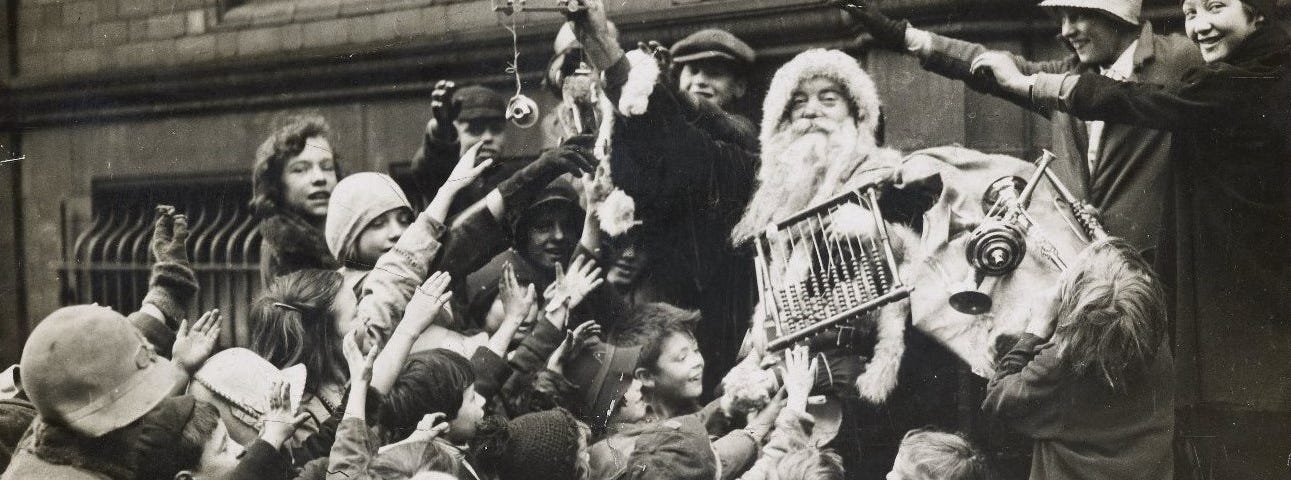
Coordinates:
714 64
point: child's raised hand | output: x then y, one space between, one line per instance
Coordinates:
799 376
515 299
467 169
427 303
572 286
360 364
280 422
573 344
194 344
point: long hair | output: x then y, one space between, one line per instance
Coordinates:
292 323
1110 313
286 142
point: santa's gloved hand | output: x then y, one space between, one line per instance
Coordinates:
887 33
571 157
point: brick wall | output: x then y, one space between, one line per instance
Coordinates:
63 40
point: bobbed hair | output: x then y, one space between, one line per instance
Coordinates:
286 142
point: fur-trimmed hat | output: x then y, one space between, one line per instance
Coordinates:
818 62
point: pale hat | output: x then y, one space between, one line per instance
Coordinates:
1127 10
242 380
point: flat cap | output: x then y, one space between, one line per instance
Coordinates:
712 43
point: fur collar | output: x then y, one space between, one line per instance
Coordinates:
290 235
111 455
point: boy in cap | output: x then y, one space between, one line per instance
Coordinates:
460 119
1119 169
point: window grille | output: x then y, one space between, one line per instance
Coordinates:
109 260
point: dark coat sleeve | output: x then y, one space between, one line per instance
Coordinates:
951 58
433 162
661 154
1027 387
1204 102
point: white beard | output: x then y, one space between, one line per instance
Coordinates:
806 162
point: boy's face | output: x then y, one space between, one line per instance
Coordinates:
551 235
492 132
308 178
1217 26
380 235
220 454
632 407
462 428
629 261
679 373
712 80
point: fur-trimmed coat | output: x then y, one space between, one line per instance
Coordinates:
290 244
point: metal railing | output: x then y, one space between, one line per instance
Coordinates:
109 262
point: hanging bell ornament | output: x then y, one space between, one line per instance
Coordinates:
522 111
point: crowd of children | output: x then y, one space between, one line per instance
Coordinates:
506 337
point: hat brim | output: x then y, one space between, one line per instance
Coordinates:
1085 5
145 390
706 55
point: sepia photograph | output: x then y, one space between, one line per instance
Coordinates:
645 239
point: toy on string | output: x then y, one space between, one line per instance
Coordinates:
522 110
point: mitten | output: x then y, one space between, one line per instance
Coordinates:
887 33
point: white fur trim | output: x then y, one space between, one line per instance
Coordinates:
880 376
642 76
818 62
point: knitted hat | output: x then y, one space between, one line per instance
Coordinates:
676 449
87 368
355 202
831 64
478 102
603 374
532 446
712 43
1127 10
241 380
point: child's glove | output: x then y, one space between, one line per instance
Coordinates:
172 285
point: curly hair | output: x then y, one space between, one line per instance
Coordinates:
1110 313
942 455
286 142
292 323
810 464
